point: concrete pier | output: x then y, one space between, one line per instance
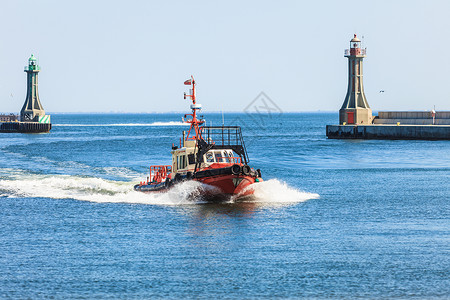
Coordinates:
25 127
389 132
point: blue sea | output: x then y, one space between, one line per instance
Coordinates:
332 219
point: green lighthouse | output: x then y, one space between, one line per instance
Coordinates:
32 110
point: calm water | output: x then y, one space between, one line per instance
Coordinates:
334 218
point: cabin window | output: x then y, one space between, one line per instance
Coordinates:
235 160
181 161
191 159
228 154
232 158
218 155
209 157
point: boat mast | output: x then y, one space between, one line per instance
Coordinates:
195 123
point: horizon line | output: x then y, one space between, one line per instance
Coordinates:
180 112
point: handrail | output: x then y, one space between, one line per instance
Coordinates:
225 136
158 173
222 135
357 51
32 68
235 159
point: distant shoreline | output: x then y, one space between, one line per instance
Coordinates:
178 112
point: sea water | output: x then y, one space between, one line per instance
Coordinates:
333 218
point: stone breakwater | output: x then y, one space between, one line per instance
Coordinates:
25 127
386 131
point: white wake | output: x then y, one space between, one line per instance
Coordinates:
110 191
276 191
170 123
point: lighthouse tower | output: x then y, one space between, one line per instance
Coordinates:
355 109
32 110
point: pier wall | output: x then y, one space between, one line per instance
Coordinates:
412 117
25 127
399 132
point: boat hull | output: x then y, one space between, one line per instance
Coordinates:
225 186
151 188
230 185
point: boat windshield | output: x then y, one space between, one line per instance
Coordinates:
221 156
230 157
218 155
209 157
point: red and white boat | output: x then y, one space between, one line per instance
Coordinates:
212 155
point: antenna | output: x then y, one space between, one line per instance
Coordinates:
195 123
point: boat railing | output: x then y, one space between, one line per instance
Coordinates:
159 173
236 160
224 137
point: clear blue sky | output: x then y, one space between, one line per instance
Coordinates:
130 56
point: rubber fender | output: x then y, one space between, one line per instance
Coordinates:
258 171
235 169
246 170
189 175
177 178
167 183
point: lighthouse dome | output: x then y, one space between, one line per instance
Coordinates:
32 58
355 39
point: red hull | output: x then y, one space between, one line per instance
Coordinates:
230 184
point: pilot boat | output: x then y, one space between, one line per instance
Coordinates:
212 155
